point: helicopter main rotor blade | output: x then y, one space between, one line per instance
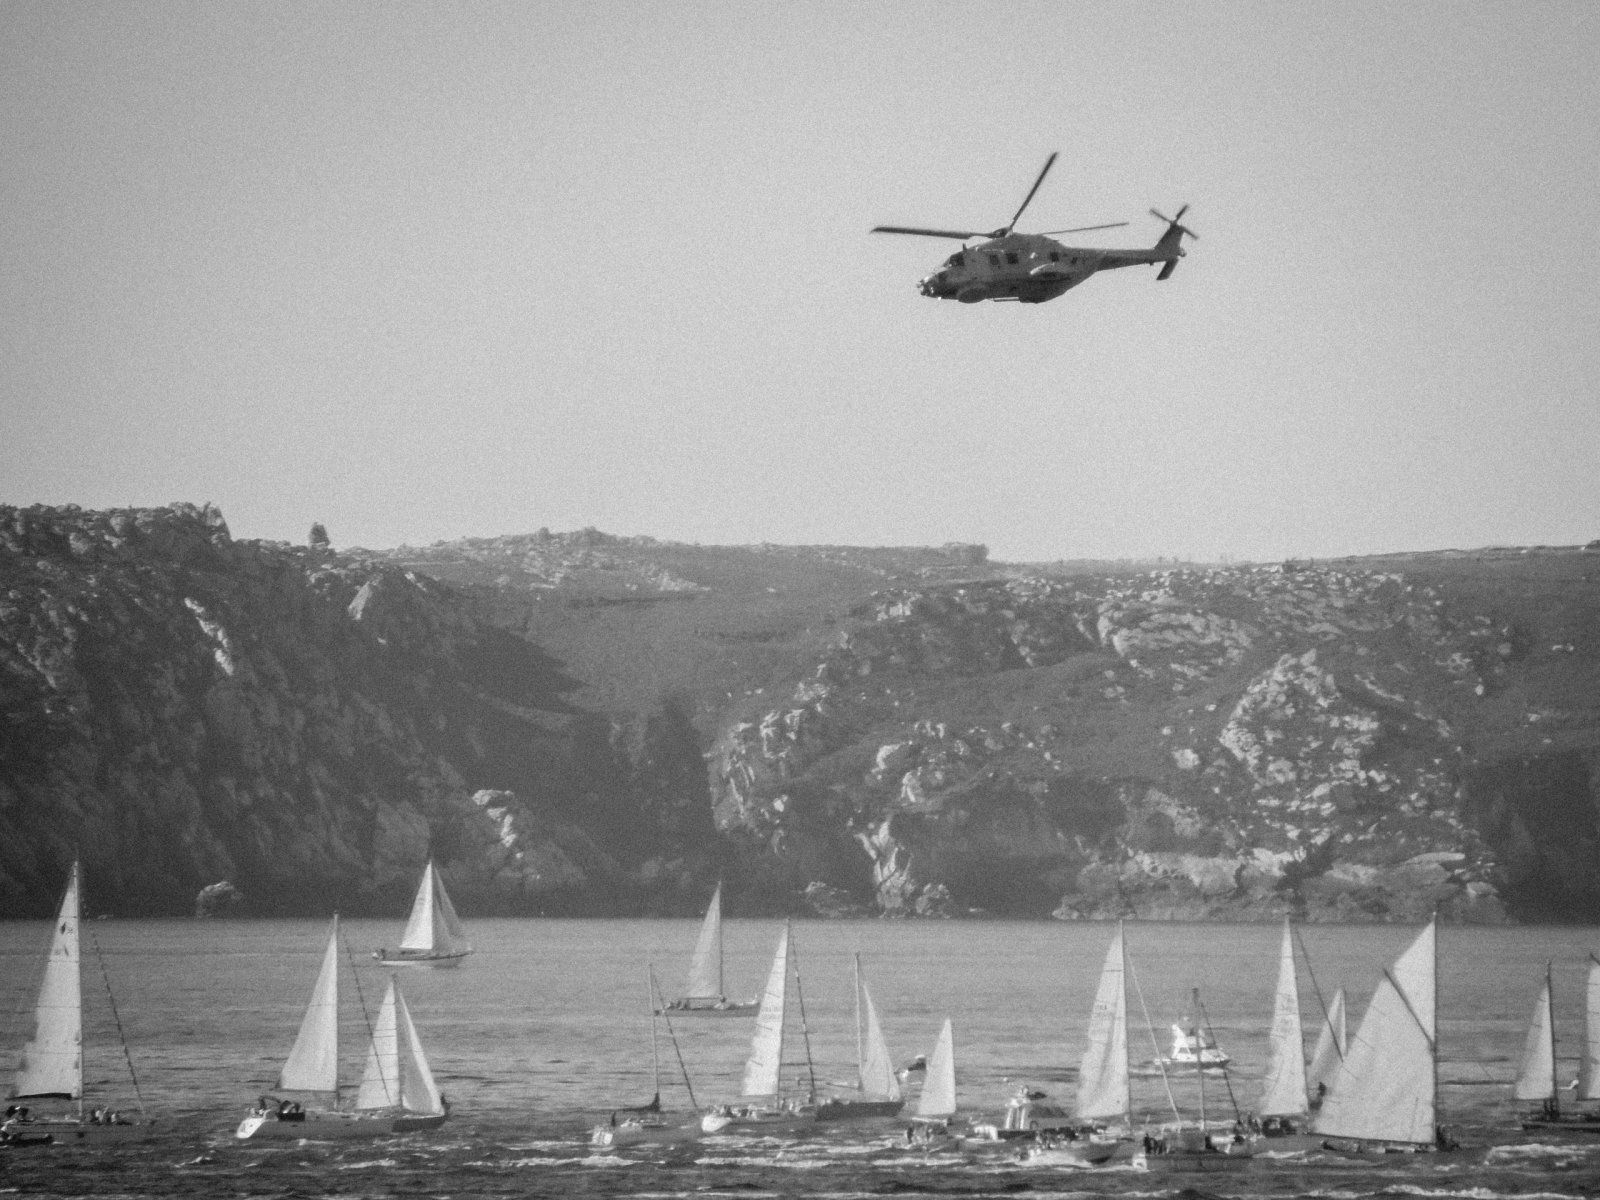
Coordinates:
1086 228
945 233
1048 163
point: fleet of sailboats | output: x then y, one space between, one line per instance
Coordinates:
397 1093
434 936
1375 1092
51 1065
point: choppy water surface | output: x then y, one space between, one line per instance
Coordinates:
545 1030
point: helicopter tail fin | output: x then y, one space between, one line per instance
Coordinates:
1170 247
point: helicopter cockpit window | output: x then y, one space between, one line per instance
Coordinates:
957 259
1055 256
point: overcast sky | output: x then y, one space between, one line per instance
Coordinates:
425 271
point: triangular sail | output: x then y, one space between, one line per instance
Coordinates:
419 933
1385 1089
763 1068
418 1091
380 1082
938 1099
397 1074
448 935
705 969
878 1080
52 1060
313 1064
1589 1065
1284 1089
1536 1077
1103 1085
1331 1041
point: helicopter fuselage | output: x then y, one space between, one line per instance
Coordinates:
1026 267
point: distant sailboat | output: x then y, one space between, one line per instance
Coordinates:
434 936
1283 1092
765 1102
1105 1090
397 1092
646 1122
1537 1077
51 1065
705 994
937 1103
1384 1095
878 1090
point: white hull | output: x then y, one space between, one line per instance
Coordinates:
334 1126
420 960
635 1133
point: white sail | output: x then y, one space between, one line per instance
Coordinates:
938 1099
397 1074
448 935
1331 1041
380 1082
1589 1065
763 1068
419 927
418 1091
313 1064
705 969
1385 1088
1103 1085
1536 1077
1284 1089
52 1060
878 1080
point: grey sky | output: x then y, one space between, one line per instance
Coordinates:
428 271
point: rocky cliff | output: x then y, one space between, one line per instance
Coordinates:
586 723
182 709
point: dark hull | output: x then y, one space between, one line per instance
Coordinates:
420 960
1576 1123
857 1110
73 1133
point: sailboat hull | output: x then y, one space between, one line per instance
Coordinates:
402 959
1565 1123
858 1110
334 1126
709 1008
73 1133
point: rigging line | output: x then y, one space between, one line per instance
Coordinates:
1327 1017
1155 1046
117 1018
805 1032
366 1019
666 1018
1212 1034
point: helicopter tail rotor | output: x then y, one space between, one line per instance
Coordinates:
1172 240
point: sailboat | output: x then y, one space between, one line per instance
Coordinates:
646 1122
1384 1094
51 1065
1285 1105
704 995
1537 1077
766 1104
434 936
937 1103
878 1090
397 1092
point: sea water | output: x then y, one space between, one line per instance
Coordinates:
545 1030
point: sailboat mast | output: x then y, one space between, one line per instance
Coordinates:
861 1081
1550 1017
1199 1054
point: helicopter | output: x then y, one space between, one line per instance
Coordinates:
1033 267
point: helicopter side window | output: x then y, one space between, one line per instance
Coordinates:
994 260
1011 257
1055 256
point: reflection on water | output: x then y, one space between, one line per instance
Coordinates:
545 1030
